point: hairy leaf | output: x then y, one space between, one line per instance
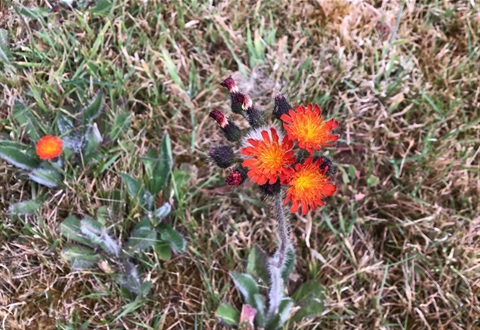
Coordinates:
246 285
70 228
26 207
93 110
47 177
177 243
279 319
228 314
18 155
80 257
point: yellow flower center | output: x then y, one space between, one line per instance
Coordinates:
309 128
272 157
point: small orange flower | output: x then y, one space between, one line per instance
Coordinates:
49 147
268 157
308 185
307 127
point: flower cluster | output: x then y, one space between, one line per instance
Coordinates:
276 156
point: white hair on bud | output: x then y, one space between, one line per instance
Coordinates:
256 134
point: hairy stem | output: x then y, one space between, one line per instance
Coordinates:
277 262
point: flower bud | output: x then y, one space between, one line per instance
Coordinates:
232 132
270 190
236 97
230 84
331 168
223 156
219 117
237 176
281 106
255 117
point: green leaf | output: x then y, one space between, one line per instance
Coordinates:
143 237
163 250
102 215
260 306
372 181
134 188
163 171
172 68
246 285
258 263
228 314
93 110
33 13
308 290
64 124
145 288
289 263
27 207
47 177
18 155
309 297
102 7
92 229
177 243
97 234
151 163
70 228
80 257
130 279
120 125
278 320
92 141
163 210
5 54
309 309
26 118
71 137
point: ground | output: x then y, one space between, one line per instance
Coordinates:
398 245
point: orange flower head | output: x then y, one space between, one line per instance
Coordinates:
307 127
49 147
268 155
308 184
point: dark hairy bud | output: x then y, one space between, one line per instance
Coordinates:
231 131
223 156
255 117
331 167
281 106
236 98
270 190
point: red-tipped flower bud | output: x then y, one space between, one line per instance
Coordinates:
237 102
281 106
255 117
231 131
222 155
237 176
236 98
230 84
219 117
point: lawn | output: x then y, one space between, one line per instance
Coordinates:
396 247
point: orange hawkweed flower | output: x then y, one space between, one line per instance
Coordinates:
308 185
307 127
49 147
268 156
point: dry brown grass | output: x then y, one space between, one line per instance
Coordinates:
405 92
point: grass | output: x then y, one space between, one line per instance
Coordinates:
397 247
